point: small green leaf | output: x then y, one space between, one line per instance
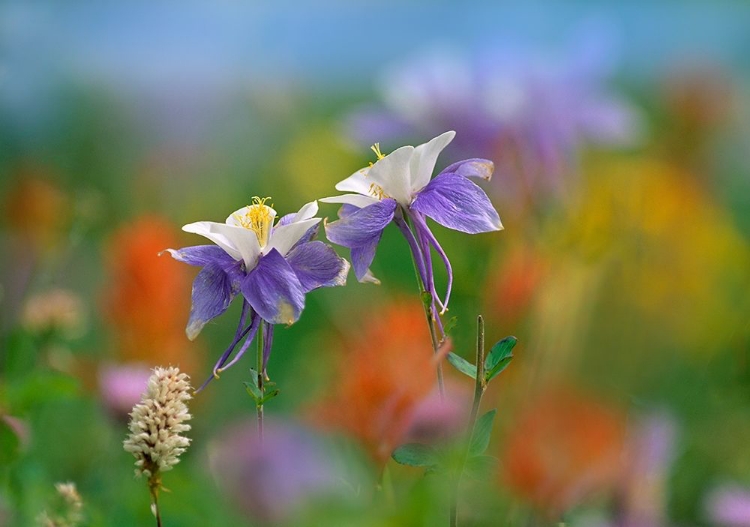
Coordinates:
499 351
462 365
450 325
427 299
498 369
269 396
499 358
253 391
415 455
480 438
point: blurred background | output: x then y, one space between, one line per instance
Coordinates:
619 132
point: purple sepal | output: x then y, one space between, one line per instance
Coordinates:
273 290
455 202
213 291
362 257
361 231
347 209
201 255
481 168
317 265
360 227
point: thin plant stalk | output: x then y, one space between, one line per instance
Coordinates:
480 386
154 485
428 311
261 385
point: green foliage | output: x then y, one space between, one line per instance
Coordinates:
416 455
480 438
499 358
450 325
462 365
254 391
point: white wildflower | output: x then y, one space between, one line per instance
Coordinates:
70 510
157 422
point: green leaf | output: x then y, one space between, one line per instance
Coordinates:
500 351
450 325
253 391
499 358
462 365
480 438
427 299
416 455
270 395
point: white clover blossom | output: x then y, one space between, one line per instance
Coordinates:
157 422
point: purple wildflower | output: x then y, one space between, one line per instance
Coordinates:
530 111
399 188
271 266
275 481
729 506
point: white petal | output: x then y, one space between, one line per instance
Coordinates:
284 237
240 213
357 200
306 212
238 242
357 182
369 278
424 159
392 174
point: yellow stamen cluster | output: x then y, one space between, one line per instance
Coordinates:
376 148
377 191
258 218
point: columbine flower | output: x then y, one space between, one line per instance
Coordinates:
157 422
272 266
398 188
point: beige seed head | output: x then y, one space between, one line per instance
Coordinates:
157 422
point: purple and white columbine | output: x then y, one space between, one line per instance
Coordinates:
271 266
398 188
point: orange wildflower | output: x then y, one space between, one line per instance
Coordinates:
147 296
562 448
37 209
386 372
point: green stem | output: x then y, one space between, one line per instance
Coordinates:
261 386
154 485
480 386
